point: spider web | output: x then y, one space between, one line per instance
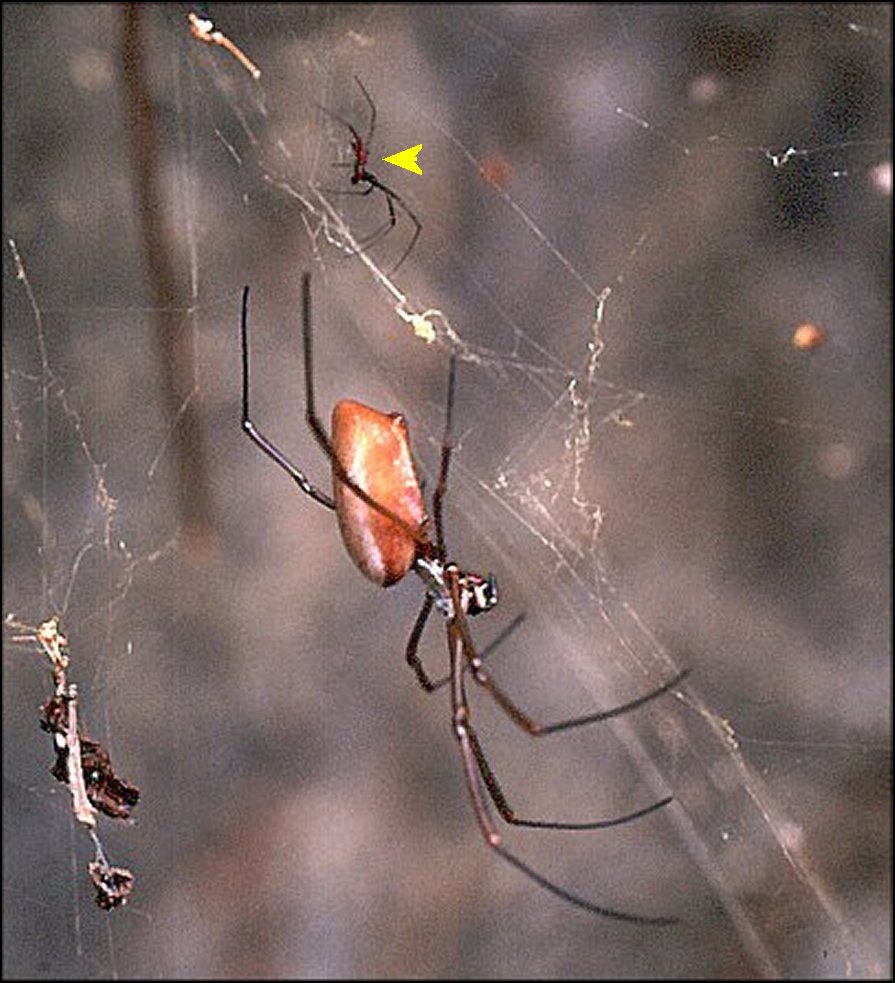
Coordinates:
626 212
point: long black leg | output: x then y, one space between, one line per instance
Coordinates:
458 624
321 436
466 739
509 815
413 659
260 440
592 718
447 446
528 723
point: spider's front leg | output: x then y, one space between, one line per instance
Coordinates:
257 437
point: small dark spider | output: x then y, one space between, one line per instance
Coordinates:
382 517
360 147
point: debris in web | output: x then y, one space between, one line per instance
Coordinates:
81 763
113 884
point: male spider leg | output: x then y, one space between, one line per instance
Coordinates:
260 440
341 119
321 435
460 711
390 196
387 225
501 637
353 192
355 136
372 127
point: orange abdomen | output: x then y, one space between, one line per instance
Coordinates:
373 448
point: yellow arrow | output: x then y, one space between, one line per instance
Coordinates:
406 159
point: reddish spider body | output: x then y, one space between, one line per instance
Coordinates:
382 517
360 159
375 450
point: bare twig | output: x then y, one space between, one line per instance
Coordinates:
202 29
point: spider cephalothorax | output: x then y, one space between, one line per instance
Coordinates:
477 594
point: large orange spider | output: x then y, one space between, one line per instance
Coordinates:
382 516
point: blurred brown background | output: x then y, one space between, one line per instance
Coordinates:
303 809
